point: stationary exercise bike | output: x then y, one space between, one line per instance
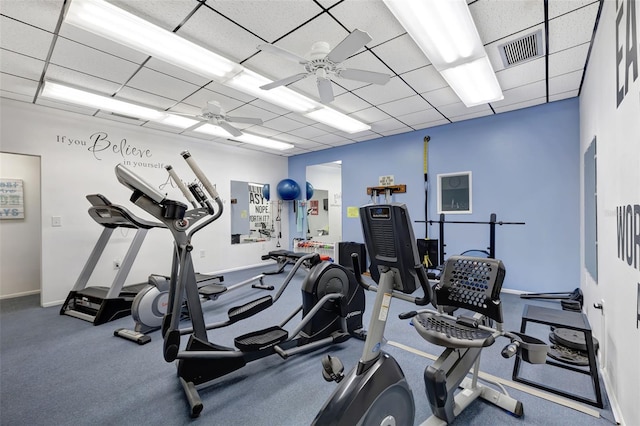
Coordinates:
376 391
332 301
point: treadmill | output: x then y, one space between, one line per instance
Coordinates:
99 304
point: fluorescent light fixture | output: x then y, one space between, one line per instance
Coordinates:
336 119
444 30
108 21
213 130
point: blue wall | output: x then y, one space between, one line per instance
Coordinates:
525 167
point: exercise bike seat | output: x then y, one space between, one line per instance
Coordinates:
446 332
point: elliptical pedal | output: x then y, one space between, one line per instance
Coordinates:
249 309
261 339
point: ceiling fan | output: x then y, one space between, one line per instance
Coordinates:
214 114
324 63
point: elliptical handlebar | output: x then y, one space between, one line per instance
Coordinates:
181 185
200 174
422 278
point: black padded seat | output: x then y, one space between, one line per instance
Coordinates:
445 332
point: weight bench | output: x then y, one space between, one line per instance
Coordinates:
282 258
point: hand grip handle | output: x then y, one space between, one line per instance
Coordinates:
510 350
407 315
199 174
187 194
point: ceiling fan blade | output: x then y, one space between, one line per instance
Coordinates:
350 45
195 126
325 90
282 52
365 76
246 120
284 81
229 128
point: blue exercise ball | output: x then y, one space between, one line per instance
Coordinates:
309 191
266 191
288 189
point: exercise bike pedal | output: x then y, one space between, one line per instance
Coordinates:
332 369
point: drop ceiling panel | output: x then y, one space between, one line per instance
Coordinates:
282 124
440 97
368 16
227 91
308 132
388 124
560 7
401 54
144 98
395 89
460 109
565 82
496 19
431 124
568 60
76 56
420 117
40 13
405 105
24 39
331 139
18 85
200 98
348 103
424 79
162 84
20 65
174 71
268 20
522 94
7 94
475 114
370 115
519 105
212 31
82 80
563 95
522 74
572 28
248 110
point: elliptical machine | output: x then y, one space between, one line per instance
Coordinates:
332 305
376 392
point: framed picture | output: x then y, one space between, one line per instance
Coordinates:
454 193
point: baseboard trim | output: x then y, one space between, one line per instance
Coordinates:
24 293
615 407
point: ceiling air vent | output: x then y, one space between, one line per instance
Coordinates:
522 49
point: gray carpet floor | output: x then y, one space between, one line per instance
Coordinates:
58 370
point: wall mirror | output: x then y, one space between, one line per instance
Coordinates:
454 192
324 208
251 219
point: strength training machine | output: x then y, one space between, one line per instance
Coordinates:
376 392
101 304
332 301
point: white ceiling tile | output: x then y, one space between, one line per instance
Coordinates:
308 132
475 114
282 124
572 28
388 124
14 96
86 38
200 98
401 54
519 105
431 124
270 107
393 90
367 15
424 79
348 103
300 118
560 7
24 39
212 31
496 19
249 110
39 13
161 84
568 60
331 139
417 118
563 95
20 65
565 82
165 14
396 131
458 109
143 98
75 56
405 105
522 94
370 115
227 91
66 107
174 71
522 74
81 80
365 136
440 97
18 85
265 131
268 20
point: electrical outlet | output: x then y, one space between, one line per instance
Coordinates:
116 264
203 253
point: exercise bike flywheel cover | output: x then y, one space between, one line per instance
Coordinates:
573 339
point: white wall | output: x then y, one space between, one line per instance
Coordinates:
617 129
20 238
70 171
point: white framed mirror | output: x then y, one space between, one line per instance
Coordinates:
324 208
251 219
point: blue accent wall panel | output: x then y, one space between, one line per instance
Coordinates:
525 167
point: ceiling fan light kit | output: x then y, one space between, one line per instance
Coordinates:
110 22
446 33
